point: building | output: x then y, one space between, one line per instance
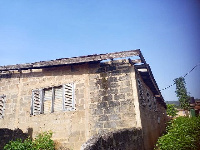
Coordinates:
80 97
194 107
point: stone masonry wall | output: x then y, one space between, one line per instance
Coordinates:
123 139
111 97
103 97
153 115
68 127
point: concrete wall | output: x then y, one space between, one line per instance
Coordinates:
181 112
103 96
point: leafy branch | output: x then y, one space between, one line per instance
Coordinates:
181 93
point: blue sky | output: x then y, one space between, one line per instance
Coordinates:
167 32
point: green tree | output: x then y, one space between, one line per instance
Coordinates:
171 110
181 93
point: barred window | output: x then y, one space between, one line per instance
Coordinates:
2 105
54 99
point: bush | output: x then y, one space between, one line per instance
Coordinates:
19 145
183 133
171 110
41 142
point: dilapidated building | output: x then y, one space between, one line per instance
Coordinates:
85 98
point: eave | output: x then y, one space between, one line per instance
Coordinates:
73 60
146 74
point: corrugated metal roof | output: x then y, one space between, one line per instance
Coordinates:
73 60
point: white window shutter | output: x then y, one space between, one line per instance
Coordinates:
68 97
36 107
2 105
47 101
58 101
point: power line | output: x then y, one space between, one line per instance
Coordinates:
183 76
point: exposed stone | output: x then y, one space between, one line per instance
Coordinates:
110 124
107 98
113 103
109 110
126 139
98 125
103 118
119 96
114 117
102 105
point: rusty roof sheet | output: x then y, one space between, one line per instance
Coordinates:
73 60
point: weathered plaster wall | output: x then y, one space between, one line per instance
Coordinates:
68 127
153 115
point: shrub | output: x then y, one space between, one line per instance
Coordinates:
183 133
19 144
171 110
41 142
44 141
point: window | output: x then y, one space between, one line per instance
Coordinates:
54 99
2 105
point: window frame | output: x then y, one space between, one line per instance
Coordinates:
65 106
3 99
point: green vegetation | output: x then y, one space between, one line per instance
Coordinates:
183 133
181 93
41 142
171 110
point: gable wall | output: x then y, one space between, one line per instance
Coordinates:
68 126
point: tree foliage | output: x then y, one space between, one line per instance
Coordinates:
171 110
181 93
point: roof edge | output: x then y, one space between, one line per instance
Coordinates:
151 78
73 60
